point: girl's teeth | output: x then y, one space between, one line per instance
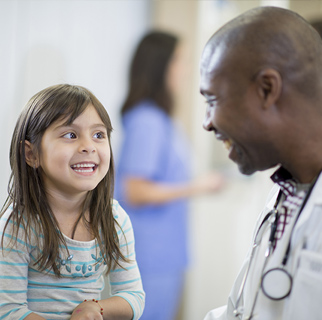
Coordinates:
83 167
82 170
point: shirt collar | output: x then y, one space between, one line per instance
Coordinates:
285 180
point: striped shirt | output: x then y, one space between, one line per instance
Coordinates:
294 194
25 289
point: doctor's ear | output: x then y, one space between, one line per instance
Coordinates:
269 85
31 157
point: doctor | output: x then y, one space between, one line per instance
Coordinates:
261 75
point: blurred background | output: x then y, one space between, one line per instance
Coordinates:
90 43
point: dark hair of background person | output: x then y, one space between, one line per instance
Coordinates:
147 78
317 25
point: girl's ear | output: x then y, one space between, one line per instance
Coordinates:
31 158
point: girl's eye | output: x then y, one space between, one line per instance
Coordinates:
70 135
99 135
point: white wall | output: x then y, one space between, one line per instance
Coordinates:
65 41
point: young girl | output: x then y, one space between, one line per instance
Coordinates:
61 229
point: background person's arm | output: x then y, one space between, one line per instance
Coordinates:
141 191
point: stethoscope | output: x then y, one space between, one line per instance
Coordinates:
272 277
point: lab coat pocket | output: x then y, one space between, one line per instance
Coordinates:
305 299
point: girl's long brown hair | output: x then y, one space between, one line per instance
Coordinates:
26 192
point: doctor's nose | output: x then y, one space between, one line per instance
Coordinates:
207 122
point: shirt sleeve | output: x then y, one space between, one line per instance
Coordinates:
145 141
14 263
126 282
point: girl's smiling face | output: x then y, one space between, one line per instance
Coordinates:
74 158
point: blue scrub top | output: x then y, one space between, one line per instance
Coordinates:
154 149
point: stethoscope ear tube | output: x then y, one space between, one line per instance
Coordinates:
276 284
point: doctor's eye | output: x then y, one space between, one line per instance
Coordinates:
211 102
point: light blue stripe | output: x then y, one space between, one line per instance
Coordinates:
13 263
25 315
130 303
33 230
82 262
64 283
55 300
126 269
49 271
80 249
115 205
126 244
130 255
127 230
60 288
13 278
12 250
4 316
13 291
21 226
137 298
50 288
4 304
124 231
137 295
75 262
124 282
57 313
18 240
125 221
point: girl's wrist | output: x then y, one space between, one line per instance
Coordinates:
98 304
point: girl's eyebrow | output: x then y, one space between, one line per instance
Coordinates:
72 125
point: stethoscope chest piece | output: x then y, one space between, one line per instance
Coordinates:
276 283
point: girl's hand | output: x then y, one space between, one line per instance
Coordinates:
87 310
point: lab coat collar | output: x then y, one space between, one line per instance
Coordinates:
315 198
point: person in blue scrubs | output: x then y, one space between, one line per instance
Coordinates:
153 174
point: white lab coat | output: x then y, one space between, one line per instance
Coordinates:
304 264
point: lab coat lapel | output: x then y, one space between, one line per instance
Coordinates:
314 199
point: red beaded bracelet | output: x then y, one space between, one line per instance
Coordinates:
94 300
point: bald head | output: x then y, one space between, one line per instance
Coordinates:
261 75
270 37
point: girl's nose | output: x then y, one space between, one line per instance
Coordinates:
87 146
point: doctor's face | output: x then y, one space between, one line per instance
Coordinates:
233 110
